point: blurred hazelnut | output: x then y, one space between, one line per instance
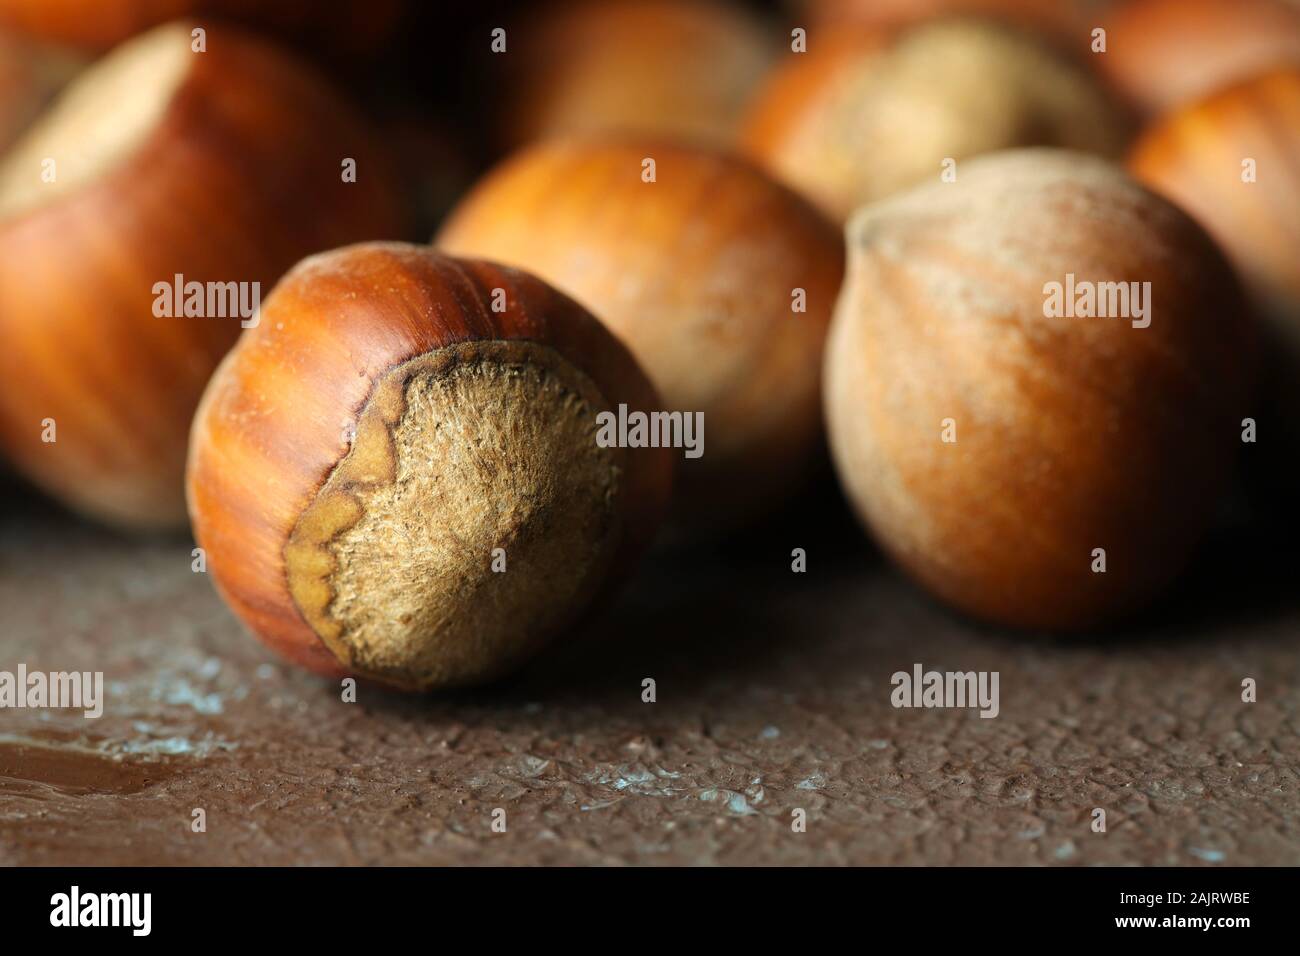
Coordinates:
1161 53
719 280
856 119
679 68
160 166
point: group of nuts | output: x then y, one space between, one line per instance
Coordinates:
842 232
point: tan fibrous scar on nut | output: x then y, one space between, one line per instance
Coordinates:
220 166
397 420
1004 453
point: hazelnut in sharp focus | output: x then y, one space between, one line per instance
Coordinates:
1034 385
163 167
398 473
720 281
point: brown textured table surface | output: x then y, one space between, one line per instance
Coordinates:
772 694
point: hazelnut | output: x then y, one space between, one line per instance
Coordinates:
342 28
1041 471
1162 53
1065 20
719 280
673 68
854 120
222 167
397 473
29 78
1230 160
